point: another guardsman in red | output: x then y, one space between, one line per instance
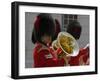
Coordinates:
82 58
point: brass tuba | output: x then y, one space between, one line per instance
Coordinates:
67 43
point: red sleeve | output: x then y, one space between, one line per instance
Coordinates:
75 60
43 58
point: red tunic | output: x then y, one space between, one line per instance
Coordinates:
83 56
43 58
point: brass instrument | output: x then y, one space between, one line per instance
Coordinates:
67 43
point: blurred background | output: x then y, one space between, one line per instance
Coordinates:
64 20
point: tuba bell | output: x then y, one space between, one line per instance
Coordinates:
67 43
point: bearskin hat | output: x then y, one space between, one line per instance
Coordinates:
74 28
44 24
57 29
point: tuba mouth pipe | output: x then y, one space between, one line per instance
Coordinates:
67 43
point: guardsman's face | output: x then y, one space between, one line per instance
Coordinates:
46 39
